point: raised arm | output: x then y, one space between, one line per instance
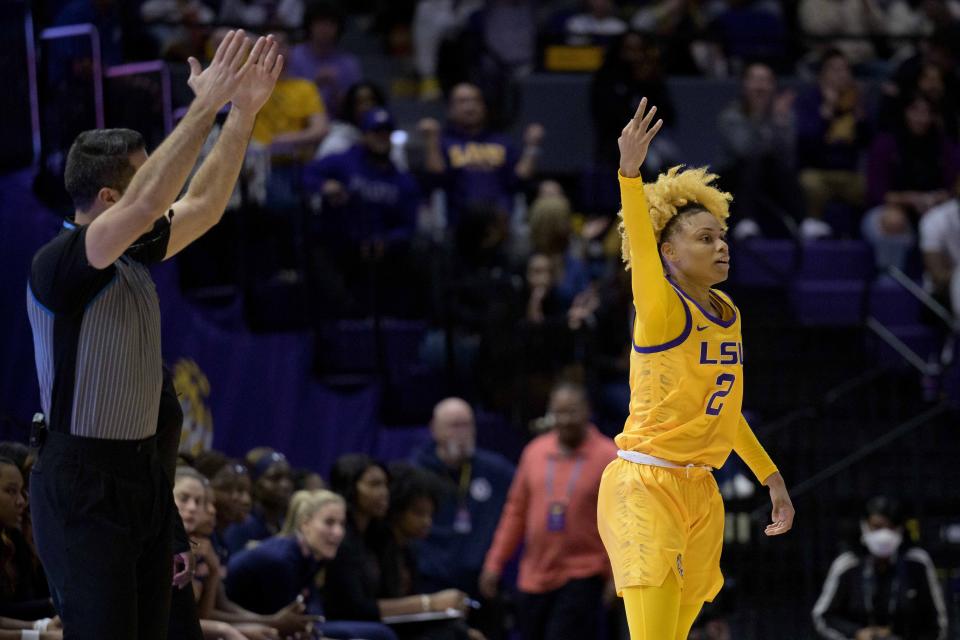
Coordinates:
161 178
206 198
659 311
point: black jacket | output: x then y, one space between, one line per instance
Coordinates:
905 597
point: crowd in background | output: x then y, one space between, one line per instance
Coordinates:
452 543
846 126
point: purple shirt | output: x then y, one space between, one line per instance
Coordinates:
480 170
344 67
383 200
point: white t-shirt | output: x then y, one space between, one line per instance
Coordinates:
940 230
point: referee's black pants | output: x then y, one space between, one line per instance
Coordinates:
102 517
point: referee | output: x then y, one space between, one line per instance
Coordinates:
101 499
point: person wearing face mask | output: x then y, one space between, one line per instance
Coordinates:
476 482
272 488
552 509
885 589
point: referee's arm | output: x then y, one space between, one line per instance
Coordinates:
209 192
156 184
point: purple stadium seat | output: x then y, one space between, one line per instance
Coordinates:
893 305
836 260
759 262
827 302
922 339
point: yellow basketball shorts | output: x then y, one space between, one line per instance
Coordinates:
654 520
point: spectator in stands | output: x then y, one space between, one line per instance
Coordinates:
190 496
596 23
24 458
552 235
413 501
931 72
355 584
750 30
475 483
832 130
307 480
631 70
291 125
909 171
319 59
23 587
221 615
272 488
344 133
106 16
682 24
262 14
508 29
434 20
609 359
474 165
175 29
848 22
368 219
289 567
230 482
940 245
552 508
757 154
883 588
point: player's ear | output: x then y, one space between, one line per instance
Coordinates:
667 251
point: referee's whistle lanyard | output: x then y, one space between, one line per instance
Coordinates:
870 589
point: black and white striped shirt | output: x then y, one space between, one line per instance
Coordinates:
96 336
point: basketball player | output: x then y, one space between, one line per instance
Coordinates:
660 514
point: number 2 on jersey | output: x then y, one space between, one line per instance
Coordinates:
725 382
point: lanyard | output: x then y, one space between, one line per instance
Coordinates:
466 470
551 470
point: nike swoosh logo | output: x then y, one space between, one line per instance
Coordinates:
699 328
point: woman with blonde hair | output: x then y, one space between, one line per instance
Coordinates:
292 565
660 514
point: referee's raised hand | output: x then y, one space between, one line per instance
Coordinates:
216 85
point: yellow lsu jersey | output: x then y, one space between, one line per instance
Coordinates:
686 394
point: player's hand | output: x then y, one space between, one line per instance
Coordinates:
489 584
635 139
783 511
216 85
256 88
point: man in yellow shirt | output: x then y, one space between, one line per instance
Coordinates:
294 120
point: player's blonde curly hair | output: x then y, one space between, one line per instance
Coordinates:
674 190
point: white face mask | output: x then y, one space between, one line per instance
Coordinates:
882 543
